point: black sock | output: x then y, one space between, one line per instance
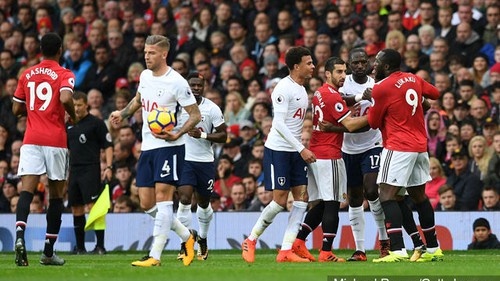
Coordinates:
99 234
393 221
79 228
22 212
409 224
54 213
312 220
330 224
426 217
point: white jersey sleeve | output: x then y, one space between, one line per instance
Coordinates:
355 143
290 99
200 150
171 91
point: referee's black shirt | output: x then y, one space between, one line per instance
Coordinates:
85 140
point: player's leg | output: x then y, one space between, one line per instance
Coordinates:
356 211
184 211
275 163
56 161
394 172
312 220
31 166
333 186
370 168
416 190
79 222
297 177
410 226
204 213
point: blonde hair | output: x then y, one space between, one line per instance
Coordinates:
435 161
483 162
158 40
398 34
240 100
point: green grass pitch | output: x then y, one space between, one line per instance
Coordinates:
228 265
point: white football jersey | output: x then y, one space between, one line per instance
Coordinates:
355 143
290 98
171 91
200 150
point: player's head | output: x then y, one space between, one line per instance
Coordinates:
358 62
51 45
80 103
335 72
386 62
197 83
298 59
156 51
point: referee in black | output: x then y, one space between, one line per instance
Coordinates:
85 141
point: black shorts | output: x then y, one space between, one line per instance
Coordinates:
84 185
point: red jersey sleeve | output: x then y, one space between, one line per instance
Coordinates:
338 108
428 90
68 81
377 111
20 95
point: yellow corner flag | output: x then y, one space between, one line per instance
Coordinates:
97 215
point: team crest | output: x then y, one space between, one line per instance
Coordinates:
281 181
82 138
160 92
339 107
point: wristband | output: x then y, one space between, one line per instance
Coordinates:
358 97
203 135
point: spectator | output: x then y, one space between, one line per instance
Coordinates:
447 199
13 203
9 68
103 74
491 198
123 177
250 183
467 132
467 43
492 176
225 180
436 133
438 179
238 197
259 111
480 156
235 111
264 197
123 204
77 63
466 186
493 19
483 239
216 202
461 112
490 127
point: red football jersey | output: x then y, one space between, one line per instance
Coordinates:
398 112
39 87
327 105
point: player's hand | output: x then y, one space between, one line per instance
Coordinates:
308 156
325 126
195 133
115 117
367 94
356 110
167 136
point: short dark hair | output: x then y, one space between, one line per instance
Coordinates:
469 83
392 58
51 44
490 188
444 188
294 56
195 74
78 95
331 62
357 50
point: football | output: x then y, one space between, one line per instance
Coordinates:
160 120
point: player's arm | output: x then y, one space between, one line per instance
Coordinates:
429 91
107 144
18 108
376 112
219 136
108 172
118 115
280 127
194 118
66 98
355 123
352 100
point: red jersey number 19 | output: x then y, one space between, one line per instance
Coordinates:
43 92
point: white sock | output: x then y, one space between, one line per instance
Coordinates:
184 214
265 219
152 212
357 221
180 229
432 250
163 222
378 215
294 220
204 218
401 252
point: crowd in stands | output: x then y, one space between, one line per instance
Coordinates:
239 47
